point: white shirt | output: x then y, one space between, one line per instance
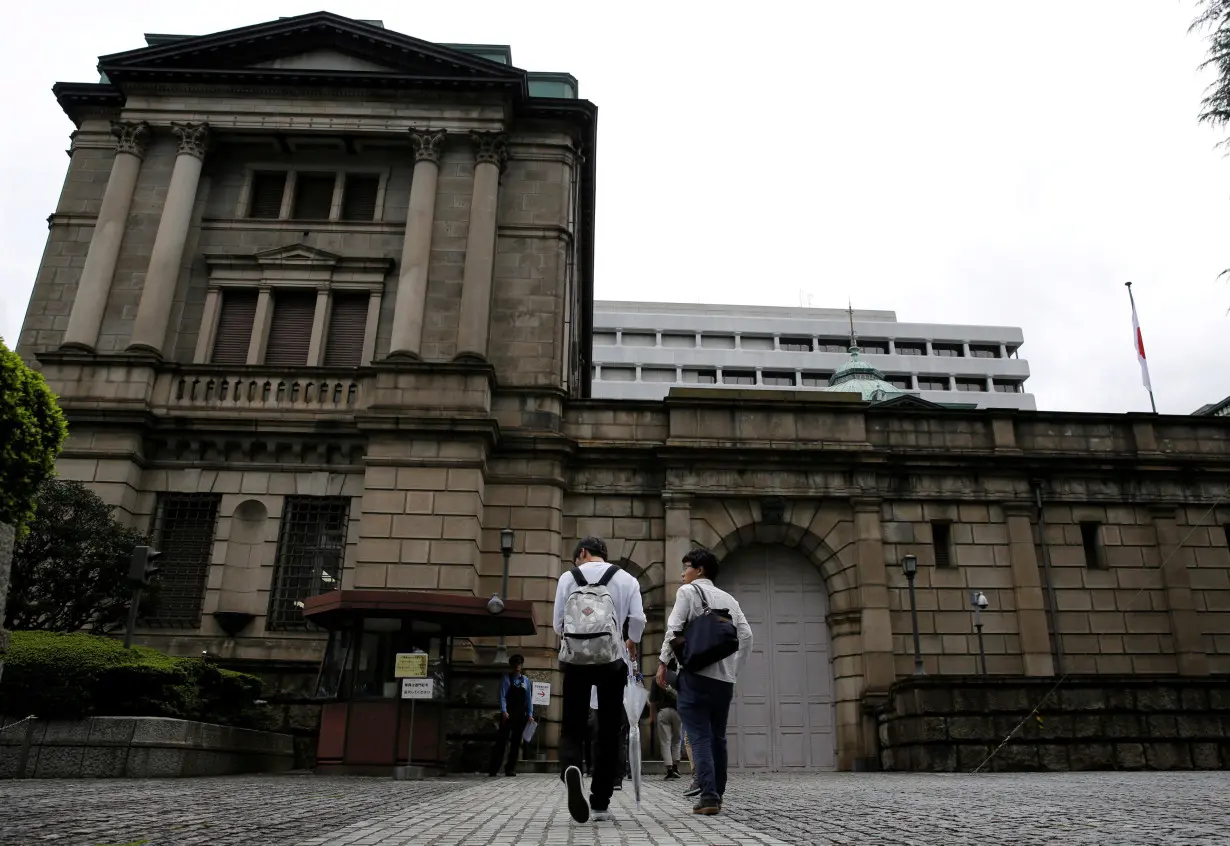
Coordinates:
688 606
625 593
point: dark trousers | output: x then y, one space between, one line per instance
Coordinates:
578 680
704 705
622 769
510 737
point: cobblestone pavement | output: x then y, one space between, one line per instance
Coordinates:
1107 809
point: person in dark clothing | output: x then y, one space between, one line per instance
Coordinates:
516 709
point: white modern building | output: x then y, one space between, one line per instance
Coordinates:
642 350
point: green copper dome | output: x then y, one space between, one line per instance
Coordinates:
858 377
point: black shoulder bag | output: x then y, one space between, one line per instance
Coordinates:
707 638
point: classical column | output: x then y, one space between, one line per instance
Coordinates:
410 306
1185 627
85 319
320 319
1031 616
491 151
149 331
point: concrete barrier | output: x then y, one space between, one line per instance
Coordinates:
137 747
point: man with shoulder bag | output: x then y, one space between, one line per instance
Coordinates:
594 601
709 636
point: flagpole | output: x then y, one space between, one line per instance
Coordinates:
1132 299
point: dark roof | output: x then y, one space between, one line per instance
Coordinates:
457 614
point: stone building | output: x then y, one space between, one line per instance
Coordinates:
317 300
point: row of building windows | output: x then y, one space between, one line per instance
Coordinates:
311 549
802 378
792 343
313 195
289 335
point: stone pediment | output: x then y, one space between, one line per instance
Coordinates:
296 262
323 46
296 254
907 401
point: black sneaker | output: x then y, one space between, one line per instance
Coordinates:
672 772
694 790
578 807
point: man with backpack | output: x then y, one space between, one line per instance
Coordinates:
710 637
593 602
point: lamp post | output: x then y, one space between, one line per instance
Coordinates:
495 605
979 600
909 566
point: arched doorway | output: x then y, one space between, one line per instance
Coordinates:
782 716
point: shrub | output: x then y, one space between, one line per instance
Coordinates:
32 430
61 676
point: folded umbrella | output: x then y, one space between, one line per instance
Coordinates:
635 697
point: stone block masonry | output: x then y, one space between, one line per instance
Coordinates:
138 747
1083 723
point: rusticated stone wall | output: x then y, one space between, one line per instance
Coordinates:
957 724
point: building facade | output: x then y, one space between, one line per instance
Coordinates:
641 350
317 300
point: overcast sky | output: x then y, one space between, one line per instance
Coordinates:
960 162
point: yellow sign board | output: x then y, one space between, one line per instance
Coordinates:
410 665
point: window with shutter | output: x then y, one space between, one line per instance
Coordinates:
184 527
313 195
290 328
359 196
268 186
234 331
347 326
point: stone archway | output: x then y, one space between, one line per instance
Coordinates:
783 715
821 536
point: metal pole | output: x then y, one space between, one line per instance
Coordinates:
132 617
504 591
410 740
982 652
918 664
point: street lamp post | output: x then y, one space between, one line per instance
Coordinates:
496 604
909 565
979 600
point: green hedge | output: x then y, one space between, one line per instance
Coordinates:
32 430
58 676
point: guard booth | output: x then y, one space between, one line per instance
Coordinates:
365 724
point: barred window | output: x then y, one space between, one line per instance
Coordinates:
311 550
183 532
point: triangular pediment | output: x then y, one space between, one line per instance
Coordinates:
324 59
907 401
297 254
320 45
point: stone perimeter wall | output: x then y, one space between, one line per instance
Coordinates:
1084 723
137 747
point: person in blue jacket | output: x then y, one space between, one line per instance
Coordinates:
516 709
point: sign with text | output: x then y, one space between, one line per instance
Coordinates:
417 688
410 665
541 694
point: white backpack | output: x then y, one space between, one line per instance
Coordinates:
591 626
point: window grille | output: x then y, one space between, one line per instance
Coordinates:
311 552
183 532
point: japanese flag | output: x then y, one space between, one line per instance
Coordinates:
1139 342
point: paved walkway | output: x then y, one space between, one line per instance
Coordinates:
1106 809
